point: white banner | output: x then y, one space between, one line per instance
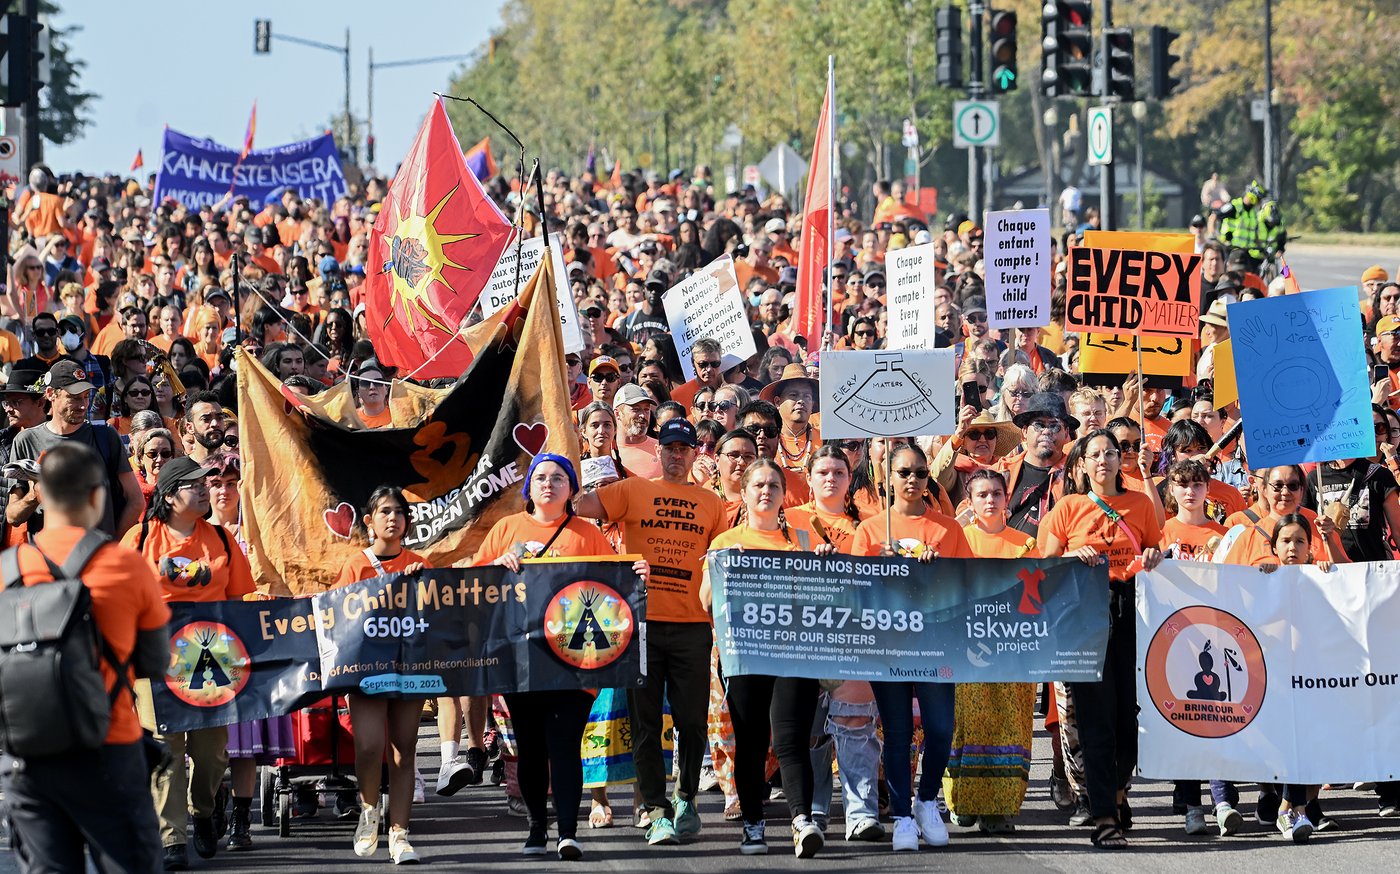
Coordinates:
709 304
911 278
1017 265
879 393
1289 677
500 289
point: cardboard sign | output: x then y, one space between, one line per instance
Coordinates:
1301 371
500 289
912 279
1017 262
1227 390
879 393
1131 291
1105 359
709 304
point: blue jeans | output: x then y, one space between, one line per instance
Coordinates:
857 751
896 703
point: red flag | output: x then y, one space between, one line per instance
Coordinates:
431 252
138 162
615 183
809 314
248 134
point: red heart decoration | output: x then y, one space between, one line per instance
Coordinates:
530 438
1247 708
1208 680
341 520
1169 704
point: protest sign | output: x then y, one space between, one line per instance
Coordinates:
886 394
1237 668
1105 359
232 661
709 304
558 624
1301 372
912 277
792 614
1017 262
1130 291
1227 389
199 172
501 288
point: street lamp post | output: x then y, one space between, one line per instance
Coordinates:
384 65
344 52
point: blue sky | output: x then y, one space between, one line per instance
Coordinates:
191 65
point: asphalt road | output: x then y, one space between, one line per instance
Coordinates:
1331 266
472 832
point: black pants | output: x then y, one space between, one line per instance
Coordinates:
782 707
1107 714
100 798
548 731
678 671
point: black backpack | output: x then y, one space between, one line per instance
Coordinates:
53 699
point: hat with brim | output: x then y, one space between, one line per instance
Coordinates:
792 373
1046 404
1008 435
1216 314
632 394
179 471
24 382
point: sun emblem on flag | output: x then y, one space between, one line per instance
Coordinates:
417 257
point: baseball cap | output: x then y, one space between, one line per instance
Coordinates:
575 267
659 278
1387 324
966 226
70 377
329 264
787 276
631 395
73 324
774 226
216 292
677 430
604 362
100 264
1375 271
178 471
843 235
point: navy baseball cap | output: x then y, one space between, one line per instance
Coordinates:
678 430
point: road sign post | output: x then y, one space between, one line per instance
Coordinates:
976 124
1100 135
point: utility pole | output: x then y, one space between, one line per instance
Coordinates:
350 143
369 79
975 11
1108 192
33 143
262 44
1270 170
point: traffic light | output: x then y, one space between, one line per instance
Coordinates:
1163 82
1066 47
947 23
262 36
1119 70
1001 43
22 58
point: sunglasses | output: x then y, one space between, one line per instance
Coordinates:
715 406
1291 485
866 333
231 441
1130 445
46 332
158 453
593 313
608 377
769 431
851 445
706 365
989 434
138 393
912 473
874 284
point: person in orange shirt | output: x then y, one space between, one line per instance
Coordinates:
194 561
1137 462
912 528
1190 534
549 726
377 721
1098 520
777 232
371 390
1250 532
796 398
99 798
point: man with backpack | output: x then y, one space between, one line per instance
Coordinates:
194 561
66 388
72 781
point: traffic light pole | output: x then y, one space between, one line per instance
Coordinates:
975 11
33 143
1108 194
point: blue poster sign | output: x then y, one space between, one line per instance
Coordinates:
197 172
840 617
1301 370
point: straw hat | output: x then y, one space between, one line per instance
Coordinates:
1008 435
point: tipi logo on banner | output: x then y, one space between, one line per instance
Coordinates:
1205 672
210 667
588 625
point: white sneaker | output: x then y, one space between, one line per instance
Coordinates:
452 776
906 835
708 778
419 788
931 826
400 850
367 832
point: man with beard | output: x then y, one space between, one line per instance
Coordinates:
204 422
67 390
633 408
1035 476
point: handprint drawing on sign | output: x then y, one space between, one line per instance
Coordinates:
1297 382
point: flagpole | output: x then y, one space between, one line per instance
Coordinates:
831 195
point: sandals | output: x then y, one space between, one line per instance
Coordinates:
600 816
1108 836
732 813
1125 815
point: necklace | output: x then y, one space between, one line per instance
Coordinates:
796 458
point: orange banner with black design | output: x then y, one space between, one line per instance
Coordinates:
459 454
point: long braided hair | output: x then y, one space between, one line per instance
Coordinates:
749 473
831 450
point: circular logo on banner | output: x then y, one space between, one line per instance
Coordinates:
1205 672
588 624
211 665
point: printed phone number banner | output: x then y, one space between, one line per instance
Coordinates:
199 172
1237 666
952 620
476 631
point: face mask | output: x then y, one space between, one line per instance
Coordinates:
71 341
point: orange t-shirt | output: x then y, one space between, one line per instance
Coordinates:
795 451
1156 430
913 534
839 527
671 526
194 568
125 599
1076 521
580 538
107 338
752 538
361 568
1253 547
1006 543
1186 542
643 458
385 419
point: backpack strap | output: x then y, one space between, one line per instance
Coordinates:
223 538
82 553
10 575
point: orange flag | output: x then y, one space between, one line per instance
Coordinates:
809 315
138 162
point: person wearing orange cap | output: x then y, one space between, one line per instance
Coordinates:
1374 303
1386 392
604 378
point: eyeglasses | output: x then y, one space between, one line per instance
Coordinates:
1129 446
1291 485
158 453
912 473
1019 393
706 365
851 445
715 406
46 332
1047 427
705 446
989 434
1104 455
769 431
604 377
1382 428
737 457
975 317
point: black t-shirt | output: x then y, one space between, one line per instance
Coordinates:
1362 487
1029 494
640 325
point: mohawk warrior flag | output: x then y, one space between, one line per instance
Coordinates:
431 252
459 454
